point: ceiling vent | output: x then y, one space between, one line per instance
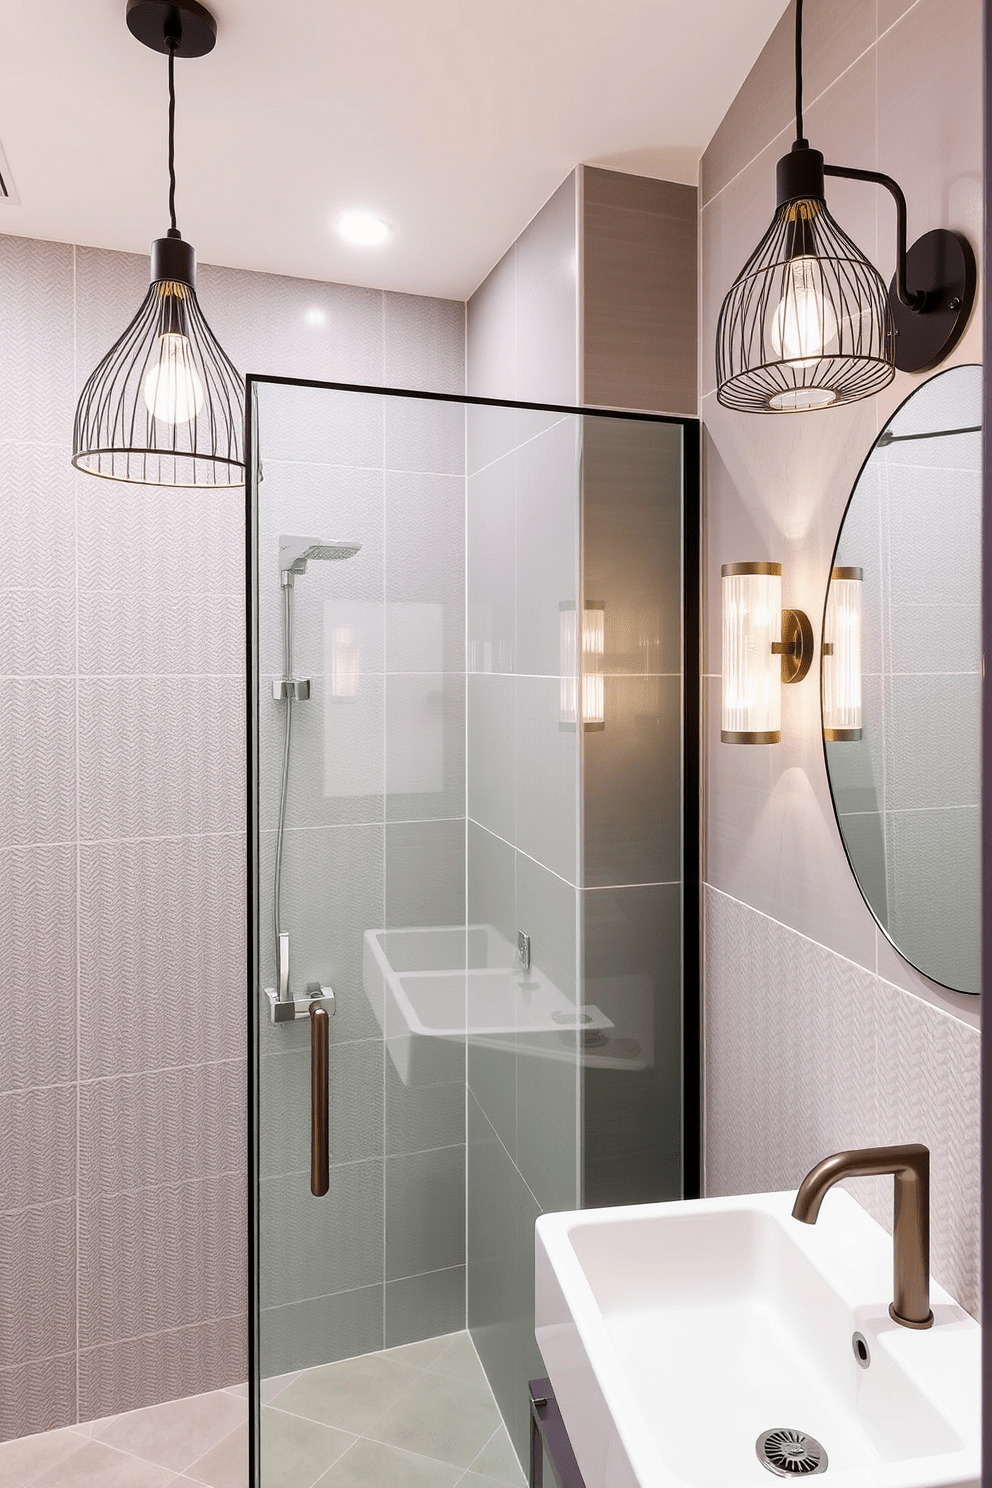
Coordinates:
8 196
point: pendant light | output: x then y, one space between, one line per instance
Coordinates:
165 406
808 322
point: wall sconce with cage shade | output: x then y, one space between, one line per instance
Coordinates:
764 646
842 656
165 406
808 322
582 684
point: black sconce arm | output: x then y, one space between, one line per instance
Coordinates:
912 299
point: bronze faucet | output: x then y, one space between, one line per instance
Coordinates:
910 1166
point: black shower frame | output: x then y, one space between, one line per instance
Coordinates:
691 854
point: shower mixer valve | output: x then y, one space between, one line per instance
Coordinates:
288 1010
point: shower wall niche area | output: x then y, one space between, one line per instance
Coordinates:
494 745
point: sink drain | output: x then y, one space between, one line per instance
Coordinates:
789 1453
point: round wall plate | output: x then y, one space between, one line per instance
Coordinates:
942 264
146 20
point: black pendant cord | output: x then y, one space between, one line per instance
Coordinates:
173 230
800 137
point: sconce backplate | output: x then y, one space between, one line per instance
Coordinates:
796 646
942 264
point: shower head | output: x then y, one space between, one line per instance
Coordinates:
296 552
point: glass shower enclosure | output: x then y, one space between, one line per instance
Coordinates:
472 834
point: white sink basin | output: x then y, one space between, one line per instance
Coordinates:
674 1335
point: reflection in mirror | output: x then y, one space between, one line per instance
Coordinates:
901 678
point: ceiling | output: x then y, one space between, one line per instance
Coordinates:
453 119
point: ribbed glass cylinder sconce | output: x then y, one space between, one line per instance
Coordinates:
842 656
752 670
581 674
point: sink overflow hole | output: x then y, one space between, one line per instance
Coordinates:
862 1352
790 1453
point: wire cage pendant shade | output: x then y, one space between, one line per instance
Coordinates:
806 324
165 405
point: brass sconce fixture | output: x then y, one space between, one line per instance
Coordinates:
842 656
764 647
582 686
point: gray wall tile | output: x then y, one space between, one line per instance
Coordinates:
639 292
137 1130
151 633
37 743
37 507
425 745
425 873
137 1372
37 1282
321 1329
425 1306
36 332
632 1094
38 627
277 332
153 761
138 901
491 566
491 882
546 301
38 1140
631 784
425 1212
310 1245
491 745
491 333
165 1227
423 436
337 767
547 544
37 1396
38 949
139 543
423 343
425 569
546 778
419 1118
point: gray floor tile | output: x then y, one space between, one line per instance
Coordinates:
498 1461
370 1464
295 1453
177 1433
24 1460
476 1480
448 1419
349 1395
460 1361
226 1464
96 1465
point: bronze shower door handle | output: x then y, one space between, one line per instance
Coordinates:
319 1180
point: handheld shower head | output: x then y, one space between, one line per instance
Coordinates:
296 552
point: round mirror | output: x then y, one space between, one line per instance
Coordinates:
901 677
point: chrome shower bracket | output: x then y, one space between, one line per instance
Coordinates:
297 688
291 1009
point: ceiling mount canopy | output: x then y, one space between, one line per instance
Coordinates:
808 322
164 406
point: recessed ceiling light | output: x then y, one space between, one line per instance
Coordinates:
362 227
